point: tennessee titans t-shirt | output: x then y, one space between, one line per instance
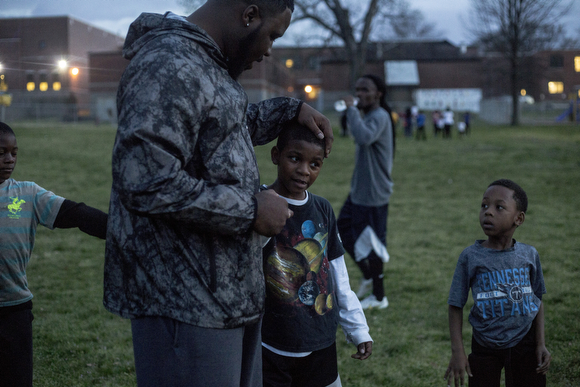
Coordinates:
507 288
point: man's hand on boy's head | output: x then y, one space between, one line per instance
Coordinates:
364 350
272 213
318 123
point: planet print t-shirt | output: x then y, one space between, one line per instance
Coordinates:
301 312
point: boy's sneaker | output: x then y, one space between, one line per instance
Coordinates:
366 285
371 302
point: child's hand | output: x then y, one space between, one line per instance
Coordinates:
544 359
457 365
364 350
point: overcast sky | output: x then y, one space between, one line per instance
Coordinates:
115 16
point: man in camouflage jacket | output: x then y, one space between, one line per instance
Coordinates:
182 244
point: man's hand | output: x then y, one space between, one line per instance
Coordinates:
272 213
318 123
349 100
364 350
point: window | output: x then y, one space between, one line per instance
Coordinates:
297 65
555 87
30 83
577 64
56 85
314 63
556 61
43 82
3 86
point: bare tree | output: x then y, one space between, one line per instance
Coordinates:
517 29
354 22
411 24
569 42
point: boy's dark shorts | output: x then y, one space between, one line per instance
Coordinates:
16 345
318 369
520 364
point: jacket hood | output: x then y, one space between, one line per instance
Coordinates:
150 26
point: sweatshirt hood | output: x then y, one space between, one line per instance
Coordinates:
150 26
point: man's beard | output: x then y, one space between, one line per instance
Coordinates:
236 66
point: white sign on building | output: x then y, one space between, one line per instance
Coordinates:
401 73
455 99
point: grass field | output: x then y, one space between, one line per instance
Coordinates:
433 216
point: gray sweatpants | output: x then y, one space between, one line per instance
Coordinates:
174 354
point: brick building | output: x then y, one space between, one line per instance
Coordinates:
435 73
267 79
45 63
559 75
433 67
414 65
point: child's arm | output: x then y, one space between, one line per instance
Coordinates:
88 219
350 314
458 363
542 353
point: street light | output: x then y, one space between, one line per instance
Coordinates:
62 64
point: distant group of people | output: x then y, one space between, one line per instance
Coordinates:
228 283
414 121
444 121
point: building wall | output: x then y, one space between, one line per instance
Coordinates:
450 74
440 74
82 40
267 79
559 66
106 69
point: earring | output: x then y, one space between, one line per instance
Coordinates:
247 24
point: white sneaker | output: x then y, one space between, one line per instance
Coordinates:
366 285
371 302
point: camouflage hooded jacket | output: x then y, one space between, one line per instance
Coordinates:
180 242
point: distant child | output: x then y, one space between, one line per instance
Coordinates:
421 126
467 120
24 205
461 128
507 284
448 122
307 285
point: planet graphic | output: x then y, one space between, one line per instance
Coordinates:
323 303
308 229
313 251
329 302
286 271
308 292
322 239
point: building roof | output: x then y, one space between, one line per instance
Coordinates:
419 50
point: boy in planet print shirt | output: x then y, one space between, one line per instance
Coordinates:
307 286
507 284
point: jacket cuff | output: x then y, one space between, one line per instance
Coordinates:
255 204
298 110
